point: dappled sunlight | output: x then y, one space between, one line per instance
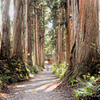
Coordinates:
44 82
21 86
41 88
51 88
3 94
47 87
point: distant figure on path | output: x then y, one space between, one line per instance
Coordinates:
47 65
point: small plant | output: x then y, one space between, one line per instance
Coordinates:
88 90
86 76
73 81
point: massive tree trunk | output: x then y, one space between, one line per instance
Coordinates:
5 42
18 68
68 31
28 48
87 39
18 17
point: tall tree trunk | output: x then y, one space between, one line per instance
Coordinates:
28 48
17 55
60 37
18 17
73 19
37 37
56 52
43 31
23 35
5 42
0 24
35 52
87 40
68 31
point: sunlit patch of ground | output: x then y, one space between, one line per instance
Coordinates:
40 87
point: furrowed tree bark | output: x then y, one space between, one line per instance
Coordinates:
18 17
43 31
60 37
87 39
68 31
35 52
37 37
40 32
28 47
23 34
5 42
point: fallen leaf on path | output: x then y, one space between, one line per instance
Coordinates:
1 95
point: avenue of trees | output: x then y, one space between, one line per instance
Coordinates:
72 38
22 41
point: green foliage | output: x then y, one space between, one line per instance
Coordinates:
37 68
19 70
30 69
59 70
13 72
73 81
86 76
89 88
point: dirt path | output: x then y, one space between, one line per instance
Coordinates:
41 87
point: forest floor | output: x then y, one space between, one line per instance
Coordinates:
41 87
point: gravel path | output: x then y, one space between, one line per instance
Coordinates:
40 87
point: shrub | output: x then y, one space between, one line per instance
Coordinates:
59 70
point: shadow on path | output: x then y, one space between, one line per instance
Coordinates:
40 87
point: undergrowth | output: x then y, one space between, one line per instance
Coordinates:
59 70
89 90
32 70
15 71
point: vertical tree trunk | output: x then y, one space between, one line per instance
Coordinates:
17 55
73 19
28 48
5 42
35 52
0 24
68 31
87 39
37 37
60 37
18 17
56 52
23 35
43 30
88 24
